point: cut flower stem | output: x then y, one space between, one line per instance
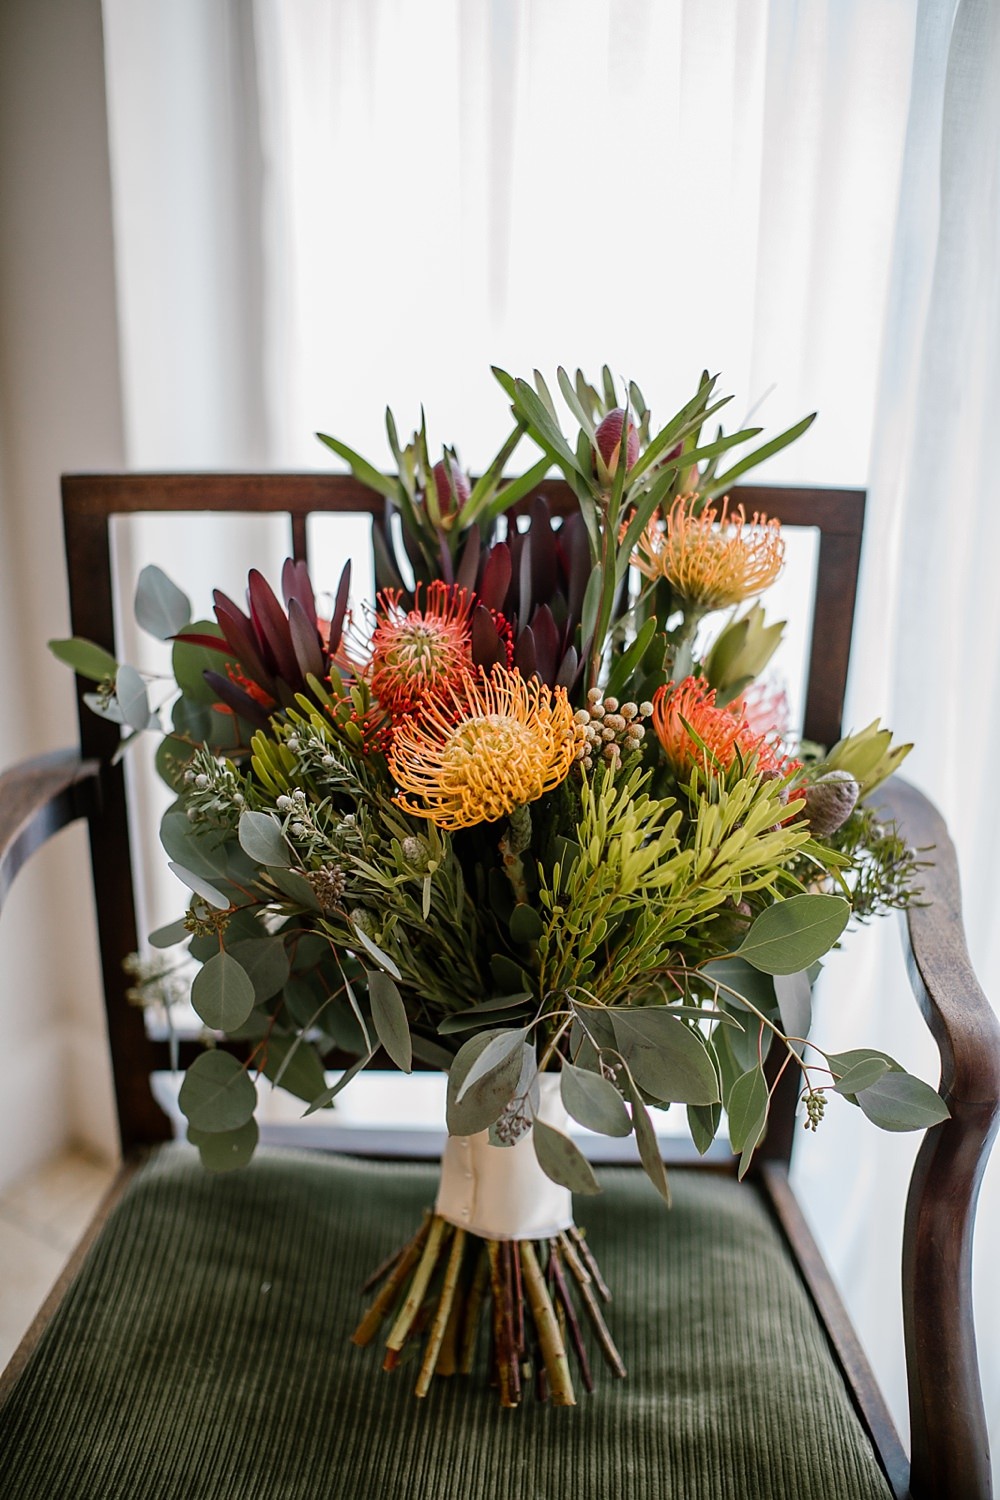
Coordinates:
436 1287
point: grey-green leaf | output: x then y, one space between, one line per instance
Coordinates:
133 699
794 933
898 1101
593 1101
161 608
794 996
389 1016
222 993
747 1110
649 1146
201 887
171 934
86 658
494 1055
483 1103
562 1160
377 954
225 1151
667 1059
217 1093
261 837
266 962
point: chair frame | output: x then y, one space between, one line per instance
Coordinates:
949 1441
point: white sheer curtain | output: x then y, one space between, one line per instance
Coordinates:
326 205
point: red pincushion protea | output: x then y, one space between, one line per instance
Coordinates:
694 732
422 654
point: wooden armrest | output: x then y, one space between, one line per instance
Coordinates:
37 798
949 1440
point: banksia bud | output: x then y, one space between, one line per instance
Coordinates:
830 802
609 440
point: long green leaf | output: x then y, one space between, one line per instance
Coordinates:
361 468
765 451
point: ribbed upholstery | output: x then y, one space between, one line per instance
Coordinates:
202 1354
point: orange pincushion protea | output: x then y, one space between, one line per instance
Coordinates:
712 560
690 706
499 744
420 655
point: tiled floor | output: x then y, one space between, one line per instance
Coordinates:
42 1216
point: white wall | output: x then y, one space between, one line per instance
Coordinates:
60 409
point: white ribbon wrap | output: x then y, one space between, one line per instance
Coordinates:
500 1192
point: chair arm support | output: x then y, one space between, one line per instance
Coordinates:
949 1439
37 798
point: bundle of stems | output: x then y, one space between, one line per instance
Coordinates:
440 1288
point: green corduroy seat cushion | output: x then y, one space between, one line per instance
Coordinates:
203 1354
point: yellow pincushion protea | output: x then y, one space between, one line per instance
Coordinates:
496 746
712 560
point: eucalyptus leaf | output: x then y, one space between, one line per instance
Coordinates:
86 658
736 974
594 1102
327 1096
501 1047
377 954
266 962
898 1101
794 995
133 699
703 1123
794 933
161 608
201 887
261 837
482 1104
667 1059
389 1016
171 934
217 1093
746 1109
861 1076
562 1160
649 1146
292 1063
222 992
227 1150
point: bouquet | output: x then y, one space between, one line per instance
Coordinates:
532 816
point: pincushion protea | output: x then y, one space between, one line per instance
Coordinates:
499 744
694 732
422 654
713 559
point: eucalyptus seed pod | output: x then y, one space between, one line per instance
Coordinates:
830 802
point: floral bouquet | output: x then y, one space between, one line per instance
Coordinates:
526 819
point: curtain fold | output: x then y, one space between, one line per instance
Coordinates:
802 194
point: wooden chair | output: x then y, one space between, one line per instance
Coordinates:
131 1382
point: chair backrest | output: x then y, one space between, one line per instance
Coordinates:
91 501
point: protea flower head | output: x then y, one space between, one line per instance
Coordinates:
421 654
497 745
609 440
277 649
713 558
695 733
